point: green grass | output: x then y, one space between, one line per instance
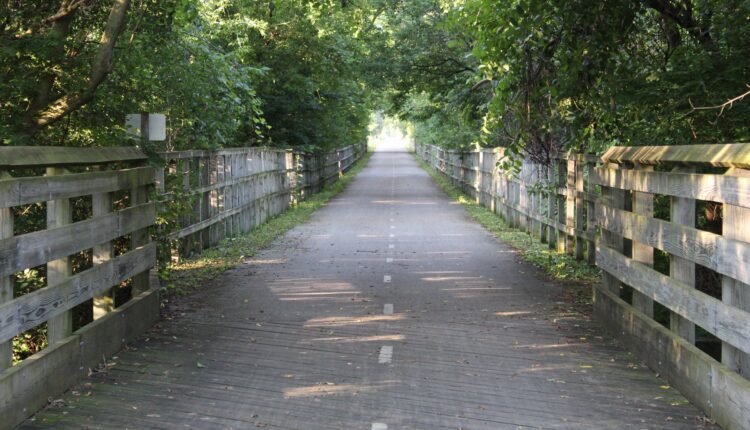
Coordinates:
189 274
558 266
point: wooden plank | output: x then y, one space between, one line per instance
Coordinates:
643 204
720 319
28 190
30 310
682 211
591 215
102 206
577 189
53 156
34 249
140 236
6 282
736 293
727 155
726 256
733 190
59 214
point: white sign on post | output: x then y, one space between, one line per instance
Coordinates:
157 126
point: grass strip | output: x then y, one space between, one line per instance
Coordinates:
187 275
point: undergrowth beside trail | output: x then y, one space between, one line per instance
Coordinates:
558 266
189 274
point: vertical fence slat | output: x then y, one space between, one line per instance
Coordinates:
6 282
138 196
734 292
682 211
643 204
58 214
578 189
101 204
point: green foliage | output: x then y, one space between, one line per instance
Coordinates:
551 75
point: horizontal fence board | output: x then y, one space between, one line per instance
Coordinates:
725 256
734 190
27 190
34 249
50 156
723 321
726 155
30 310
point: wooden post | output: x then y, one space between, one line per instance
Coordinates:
614 198
580 206
682 211
101 206
6 282
58 214
139 195
560 183
591 215
551 206
734 292
570 206
186 247
643 204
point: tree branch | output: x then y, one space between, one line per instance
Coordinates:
100 68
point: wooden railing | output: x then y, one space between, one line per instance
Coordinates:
95 251
231 191
581 200
93 199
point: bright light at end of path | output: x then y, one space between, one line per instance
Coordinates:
389 135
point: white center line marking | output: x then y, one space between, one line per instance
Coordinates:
387 279
386 354
391 219
379 426
391 246
393 226
388 309
391 235
389 260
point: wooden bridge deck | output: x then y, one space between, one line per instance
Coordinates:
391 309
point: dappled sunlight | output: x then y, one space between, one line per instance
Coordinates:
353 339
512 313
306 289
330 388
546 346
402 202
341 321
271 261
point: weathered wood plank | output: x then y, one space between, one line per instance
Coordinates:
52 156
22 191
728 155
30 310
643 204
6 282
736 292
734 190
59 214
682 211
723 321
723 255
140 236
101 206
34 249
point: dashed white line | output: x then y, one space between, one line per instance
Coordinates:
386 354
388 309
379 426
393 226
389 260
391 235
391 246
387 279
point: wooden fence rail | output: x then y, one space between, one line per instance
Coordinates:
95 252
603 209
